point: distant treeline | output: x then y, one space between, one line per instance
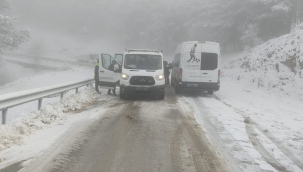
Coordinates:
162 24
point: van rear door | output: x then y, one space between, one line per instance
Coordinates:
210 63
191 64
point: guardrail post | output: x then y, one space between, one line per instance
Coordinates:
39 104
61 95
4 112
77 90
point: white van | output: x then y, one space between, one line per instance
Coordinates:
142 73
196 66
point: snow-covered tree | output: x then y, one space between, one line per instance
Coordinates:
10 38
165 23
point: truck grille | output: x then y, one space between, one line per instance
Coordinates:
142 80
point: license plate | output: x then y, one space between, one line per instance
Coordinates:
192 85
141 88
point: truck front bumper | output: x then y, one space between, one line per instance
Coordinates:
142 90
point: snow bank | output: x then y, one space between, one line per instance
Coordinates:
51 114
276 65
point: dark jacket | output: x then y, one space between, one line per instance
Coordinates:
166 70
111 67
97 71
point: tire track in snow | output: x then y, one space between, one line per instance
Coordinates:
203 156
277 143
269 159
225 140
41 162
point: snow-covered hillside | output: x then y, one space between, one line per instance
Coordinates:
47 79
52 46
276 65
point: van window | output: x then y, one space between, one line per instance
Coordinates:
143 61
106 60
177 60
209 61
119 58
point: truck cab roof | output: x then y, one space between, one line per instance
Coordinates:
143 51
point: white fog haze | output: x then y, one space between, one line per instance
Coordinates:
151 85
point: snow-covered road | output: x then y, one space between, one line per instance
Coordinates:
134 135
240 128
261 131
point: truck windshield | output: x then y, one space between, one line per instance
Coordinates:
143 61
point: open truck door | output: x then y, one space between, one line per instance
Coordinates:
108 79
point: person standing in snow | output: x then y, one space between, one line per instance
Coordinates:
166 72
97 77
113 67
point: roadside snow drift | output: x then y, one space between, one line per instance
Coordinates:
50 114
276 65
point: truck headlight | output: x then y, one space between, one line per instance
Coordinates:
124 76
160 77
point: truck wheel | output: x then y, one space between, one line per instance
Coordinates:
210 92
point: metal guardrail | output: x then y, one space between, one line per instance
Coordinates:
14 99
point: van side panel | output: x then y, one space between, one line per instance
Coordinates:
200 64
191 62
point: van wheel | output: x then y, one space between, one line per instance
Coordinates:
161 97
210 92
177 89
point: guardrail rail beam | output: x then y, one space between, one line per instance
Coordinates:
14 99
